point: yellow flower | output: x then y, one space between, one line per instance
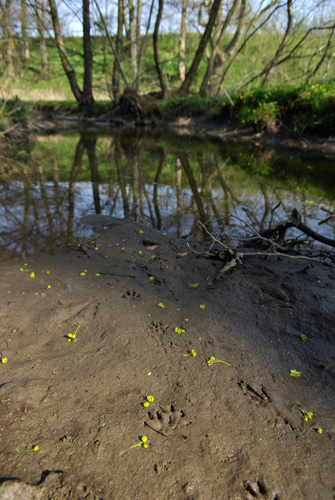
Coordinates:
82 274
215 360
161 305
295 374
143 443
179 330
150 399
146 404
4 360
97 274
319 430
32 275
202 306
141 232
191 353
152 278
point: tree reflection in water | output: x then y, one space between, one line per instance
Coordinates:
169 186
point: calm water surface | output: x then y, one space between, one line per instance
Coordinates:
169 185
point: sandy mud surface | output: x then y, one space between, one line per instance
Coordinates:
216 432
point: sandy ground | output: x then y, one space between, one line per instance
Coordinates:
229 432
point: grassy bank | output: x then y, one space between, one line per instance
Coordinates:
303 109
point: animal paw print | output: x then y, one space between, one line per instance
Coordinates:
168 418
130 294
258 490
261 397
157 327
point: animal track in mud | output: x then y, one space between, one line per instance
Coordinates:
131 294
262 397
157 327
258 490
169 418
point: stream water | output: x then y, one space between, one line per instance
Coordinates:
170 185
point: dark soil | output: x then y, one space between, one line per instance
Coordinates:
237 431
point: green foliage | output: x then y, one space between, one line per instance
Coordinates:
13 112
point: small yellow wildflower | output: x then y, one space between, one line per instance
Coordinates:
191 353
97 275
143 443
161 305
295 374
32 275
319 430
4 360
215 360
141 232
179 330
152 278
303 336
307 415
150 399
35 448
202 306
82 274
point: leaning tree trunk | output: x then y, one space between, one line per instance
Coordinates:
282 45
69 71
216 48
140 59
322 58
185 86
161 75
39 11
87 97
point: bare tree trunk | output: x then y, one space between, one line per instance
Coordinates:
133 42
231 53
39 10
87 97
103 22
118 48
161 75
182 42
282 45
322 58
69 71
216 47
24 32
185 86
140 59
138 22
9 40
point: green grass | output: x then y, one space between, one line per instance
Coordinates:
254 57
303 107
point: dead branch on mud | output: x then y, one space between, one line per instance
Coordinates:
272 242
